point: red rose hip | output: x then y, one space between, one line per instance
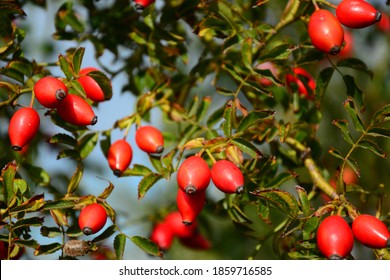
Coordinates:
190 205
75 110
357 13
91 87
119 156
23 127
149 139
50 92
371 232
325 32
193 175
227 177
143 4
92 218
334 238
162 235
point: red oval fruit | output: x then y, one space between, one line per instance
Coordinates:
371 232
23 127
190 205
149 139
119 156
143 4
227 177
357 13
193 175
325 32
303 81
92 218
50 91
75 110
91 87
334 238
180 229
162 235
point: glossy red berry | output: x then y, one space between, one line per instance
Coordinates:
190 205
193 175
119 156
357 13
149 139
371 232
325 32
50 91
75 110
143 4
92 218
227 177
23 127
91 87
302 81
334 238
162 235
180 229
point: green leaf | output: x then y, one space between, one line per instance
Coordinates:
31 205
119 246
105 234
37 174
137 170
23 66
254 118
322 82
343 126
357 64
78 59
228 120
50 232
107 191
353 90
246 53
8 174
147 245
381 115
303 200
33 222
354 114
47 249
58 204
155 160
247 147
62 138
69 153
373 147
76 178
20 186
336 153
310 227
280 52
87 143
280 179
66 68
379 132
147 182
202 108
282 200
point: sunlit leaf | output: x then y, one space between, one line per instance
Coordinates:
147 245
76 178
147 182
282 200
119 245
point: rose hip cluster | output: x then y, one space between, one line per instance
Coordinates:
52 93
171 227
326 31
335 238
